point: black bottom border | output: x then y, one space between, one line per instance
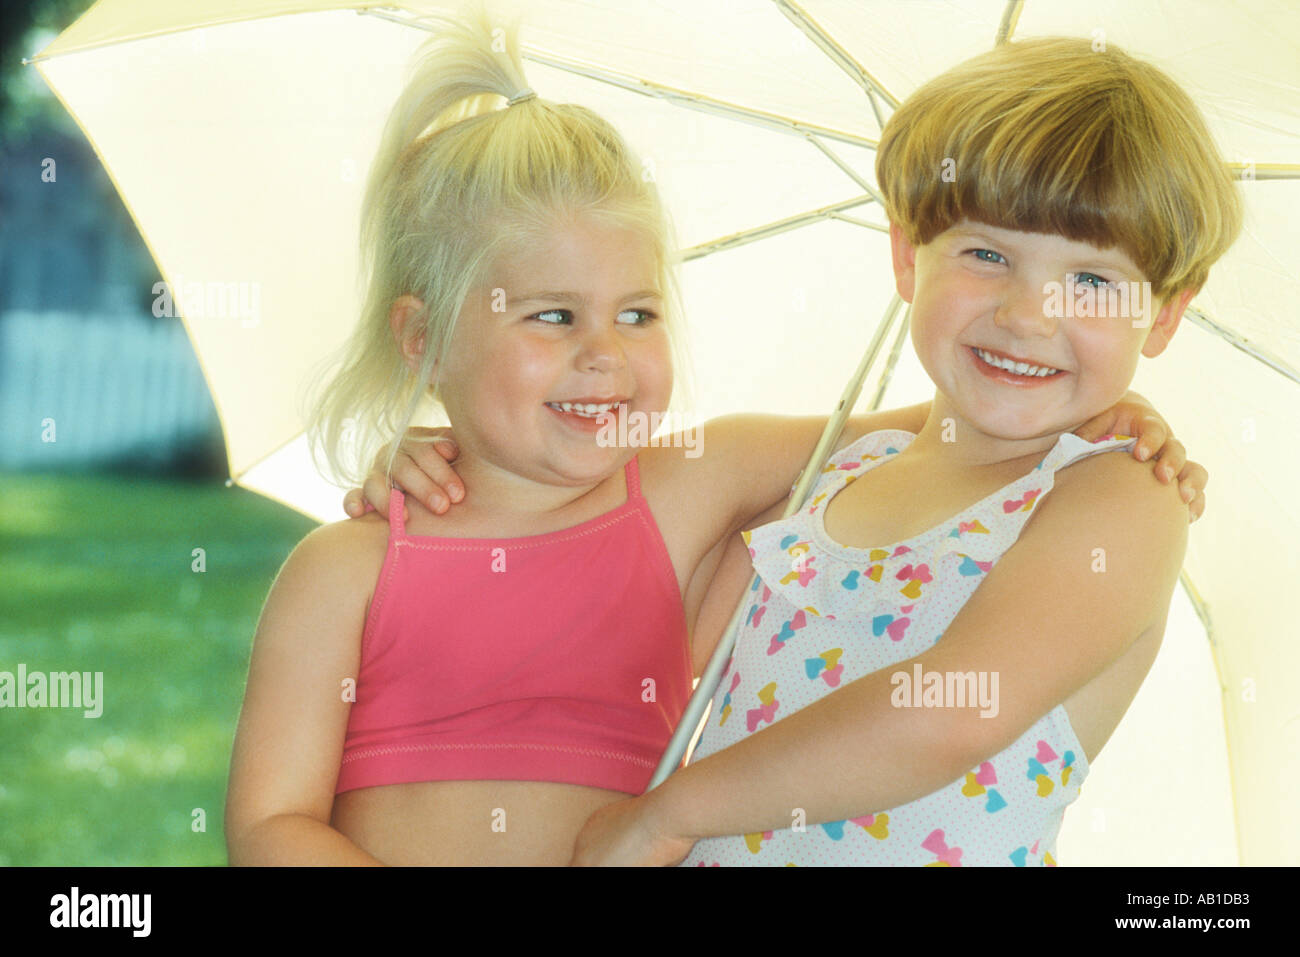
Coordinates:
652 908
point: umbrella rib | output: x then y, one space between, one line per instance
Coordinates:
848 170
1216 656
1010 17
895 351
771 229
838 55
1198 603
695 101
673 95
707 686
1241 342
858 222
1253 171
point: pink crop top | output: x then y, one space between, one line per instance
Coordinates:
560 657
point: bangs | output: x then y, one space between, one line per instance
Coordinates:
1049 136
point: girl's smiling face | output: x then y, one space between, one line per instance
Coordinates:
976 288
575 319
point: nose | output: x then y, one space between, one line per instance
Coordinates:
1023 311
601 349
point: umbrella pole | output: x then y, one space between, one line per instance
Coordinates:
709 681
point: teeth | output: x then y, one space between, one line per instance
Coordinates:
1020 368
579 408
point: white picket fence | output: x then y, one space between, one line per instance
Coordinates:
76 390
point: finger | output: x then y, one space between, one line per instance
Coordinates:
1192 480
1195 473
1152 435
422 474
1172 459
428 467
447 448
417 442
376 492
1197 507
354 502
441 439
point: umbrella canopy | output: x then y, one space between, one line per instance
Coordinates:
239 134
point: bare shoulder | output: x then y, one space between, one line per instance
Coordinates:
735 466
692 470
1112 506
665 469
340 561
350 541
690 499
688 453
1117 483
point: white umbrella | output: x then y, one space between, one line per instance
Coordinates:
226 124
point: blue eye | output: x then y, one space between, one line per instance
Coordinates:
646 315
1081 279
990 252
557 317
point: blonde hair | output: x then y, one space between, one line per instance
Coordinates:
459 179
1049 135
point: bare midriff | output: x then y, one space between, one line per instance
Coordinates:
467 823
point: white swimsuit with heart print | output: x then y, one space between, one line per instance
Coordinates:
824 615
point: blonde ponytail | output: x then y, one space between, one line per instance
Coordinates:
458 178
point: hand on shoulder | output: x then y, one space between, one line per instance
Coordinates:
1113 489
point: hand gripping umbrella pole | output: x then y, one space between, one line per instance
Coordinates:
704 691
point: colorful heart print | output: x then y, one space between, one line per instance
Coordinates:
1022 504
755 841
877 825
766 713
834 830
726 699
804 574
975 527
970 567
850 580
798 620
827 666
888 623
935 844
915 576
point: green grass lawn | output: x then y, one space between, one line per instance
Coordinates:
95 575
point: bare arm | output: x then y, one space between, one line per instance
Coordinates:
757 458
852 752
780 445
295 840
289 741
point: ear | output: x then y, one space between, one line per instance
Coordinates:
403 318
1166 322
904 262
